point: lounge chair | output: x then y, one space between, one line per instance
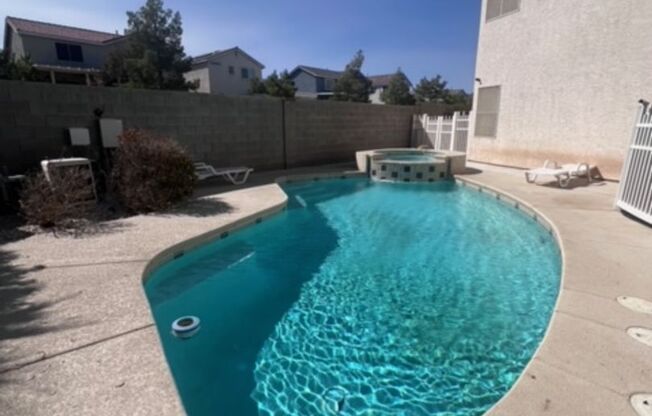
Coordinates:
563 173
236 176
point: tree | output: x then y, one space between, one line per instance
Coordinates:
154 56
353 85
398 90
459 99
17 69
430 90
280 86
257 86
274 85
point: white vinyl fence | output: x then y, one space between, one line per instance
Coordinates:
635 193
441 132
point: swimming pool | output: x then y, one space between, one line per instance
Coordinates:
408 299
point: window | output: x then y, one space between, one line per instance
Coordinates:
244 72
68 52
231 70
498 8
486 113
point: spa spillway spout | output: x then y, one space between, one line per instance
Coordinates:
185 327
334 399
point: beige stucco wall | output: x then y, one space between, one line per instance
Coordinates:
571 73
375 96
202 76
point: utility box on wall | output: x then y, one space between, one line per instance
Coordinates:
110 129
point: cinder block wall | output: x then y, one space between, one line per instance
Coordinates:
224 131
323 131
219 130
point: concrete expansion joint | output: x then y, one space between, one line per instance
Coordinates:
593 321
43 356
579 377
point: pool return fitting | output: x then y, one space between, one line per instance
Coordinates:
334 398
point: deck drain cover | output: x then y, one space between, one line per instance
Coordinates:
643 335
642 403
635 304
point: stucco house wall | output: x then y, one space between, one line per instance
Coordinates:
305 84
219 80
43 51
375 96
570 76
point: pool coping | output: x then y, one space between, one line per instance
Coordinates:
525 207
179 249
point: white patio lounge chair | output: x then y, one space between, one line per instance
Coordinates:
236 176
563 173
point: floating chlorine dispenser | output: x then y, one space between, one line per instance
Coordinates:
185 327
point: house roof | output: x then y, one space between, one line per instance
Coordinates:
317 72
51 30
378 81
200 59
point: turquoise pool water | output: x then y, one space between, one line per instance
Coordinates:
361 298
409 157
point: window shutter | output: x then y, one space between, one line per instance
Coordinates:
488 106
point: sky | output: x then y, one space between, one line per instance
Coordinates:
422 37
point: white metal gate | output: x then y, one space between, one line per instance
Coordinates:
442 132
635 193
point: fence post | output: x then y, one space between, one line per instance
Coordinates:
453 130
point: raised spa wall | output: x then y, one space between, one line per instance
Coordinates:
378 165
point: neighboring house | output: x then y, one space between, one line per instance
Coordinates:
313 82
68 54
560 80
227 72
380 84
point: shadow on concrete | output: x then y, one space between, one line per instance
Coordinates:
11 229
200 207
21 315
472 171
574 183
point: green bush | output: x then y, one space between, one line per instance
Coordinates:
151 173
67 196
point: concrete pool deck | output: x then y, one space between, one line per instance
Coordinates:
77 335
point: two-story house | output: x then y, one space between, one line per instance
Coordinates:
316 83
68 54
227 72
560 80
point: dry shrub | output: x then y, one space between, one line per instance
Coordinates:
151 173
67 196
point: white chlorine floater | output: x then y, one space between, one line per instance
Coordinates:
185 327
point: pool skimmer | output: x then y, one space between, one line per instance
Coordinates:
642 403
635 304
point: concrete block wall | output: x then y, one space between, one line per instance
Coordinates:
223 131
323 131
